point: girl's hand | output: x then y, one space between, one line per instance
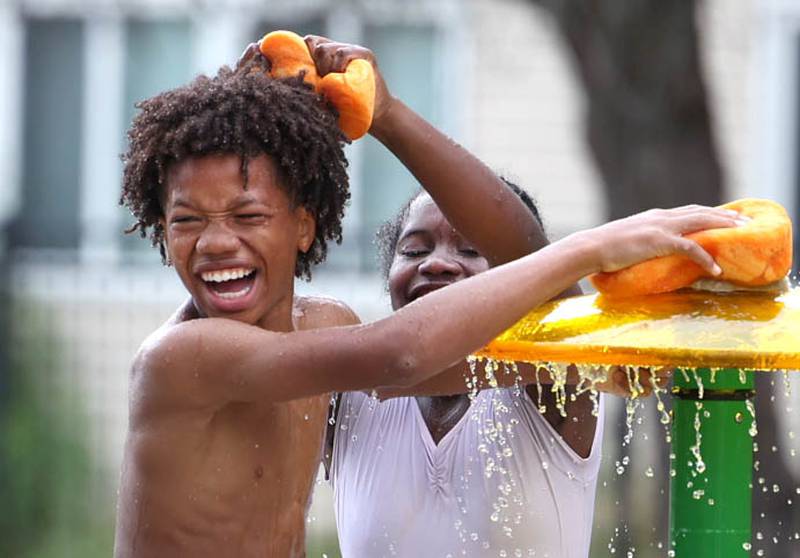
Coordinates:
330 56
655 233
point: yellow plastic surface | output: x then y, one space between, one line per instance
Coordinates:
758 331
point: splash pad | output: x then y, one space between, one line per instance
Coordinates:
716 341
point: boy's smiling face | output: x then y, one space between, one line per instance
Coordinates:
235 249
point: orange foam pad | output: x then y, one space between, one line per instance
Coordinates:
351 92
751 255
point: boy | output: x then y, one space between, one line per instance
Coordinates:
241 181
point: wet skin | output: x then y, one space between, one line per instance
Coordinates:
431 254
234 479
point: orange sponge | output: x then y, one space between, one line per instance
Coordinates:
751 255
288 55
351 92
353 95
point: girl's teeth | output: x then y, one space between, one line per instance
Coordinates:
237 294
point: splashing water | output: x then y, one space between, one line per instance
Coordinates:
699 464
472 379
332 417
489 369
504 510
664 418
753 431
699 381
542 409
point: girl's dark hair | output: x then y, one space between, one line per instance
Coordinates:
388 234
247 113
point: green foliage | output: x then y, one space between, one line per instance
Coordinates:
322 545
46 484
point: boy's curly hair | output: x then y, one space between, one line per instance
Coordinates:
247 113
388 234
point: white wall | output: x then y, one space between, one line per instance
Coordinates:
527 113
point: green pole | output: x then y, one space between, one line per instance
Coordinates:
711 481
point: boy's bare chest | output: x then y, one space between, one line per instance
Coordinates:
275 433
257 460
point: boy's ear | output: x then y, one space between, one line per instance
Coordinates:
307 228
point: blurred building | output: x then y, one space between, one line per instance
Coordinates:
491 73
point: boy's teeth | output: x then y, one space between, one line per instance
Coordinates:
225 274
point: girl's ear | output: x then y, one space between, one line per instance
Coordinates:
307 228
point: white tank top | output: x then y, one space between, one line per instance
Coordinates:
502 482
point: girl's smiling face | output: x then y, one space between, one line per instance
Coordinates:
430 254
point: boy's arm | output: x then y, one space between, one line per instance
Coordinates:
214 361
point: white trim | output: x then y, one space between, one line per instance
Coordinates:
101 169
12 80
776 139
79 9
160 9
409 12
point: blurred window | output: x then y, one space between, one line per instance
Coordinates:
49 217
157 58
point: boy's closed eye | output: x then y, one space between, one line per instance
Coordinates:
182 219
251 218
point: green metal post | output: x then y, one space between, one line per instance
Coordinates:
711 482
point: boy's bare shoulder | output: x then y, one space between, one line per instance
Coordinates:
156 350
177 365
311 312
174 347
162 341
